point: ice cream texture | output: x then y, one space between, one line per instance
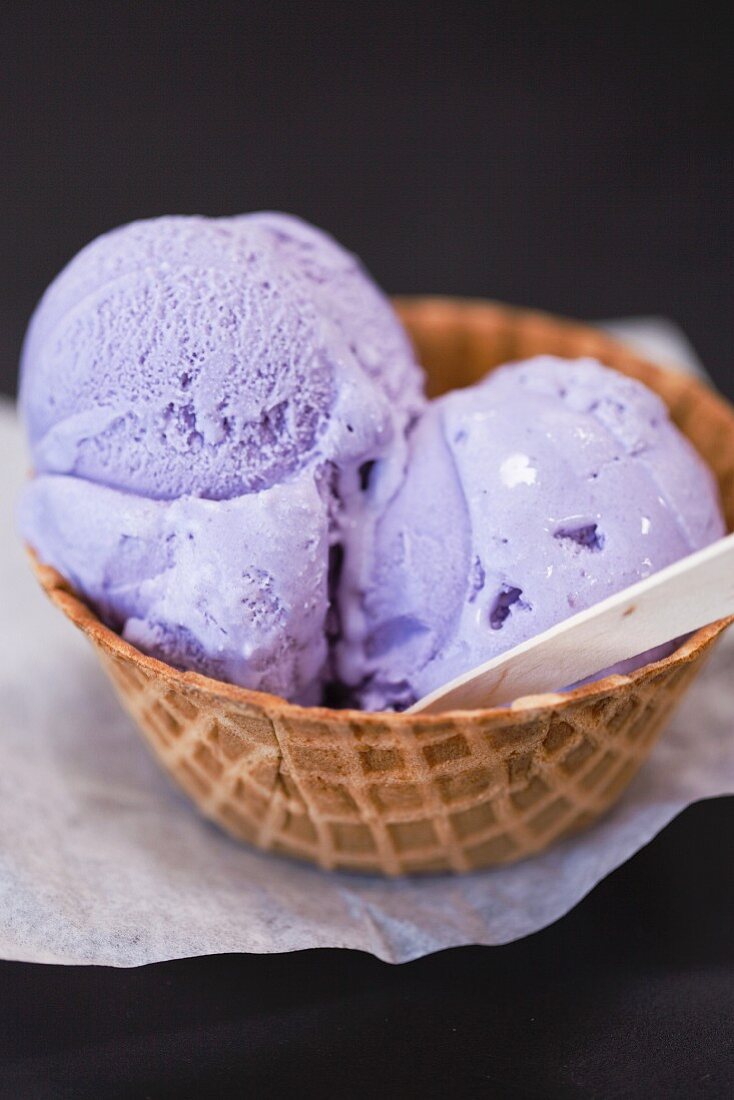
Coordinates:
235 464
211 357
214 407
528 497
234 589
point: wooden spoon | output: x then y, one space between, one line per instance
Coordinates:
681 598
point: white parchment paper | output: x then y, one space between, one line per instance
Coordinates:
102 861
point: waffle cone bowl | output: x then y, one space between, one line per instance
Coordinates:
396 793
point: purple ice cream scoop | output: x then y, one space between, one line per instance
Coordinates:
542 490
235 589
212 357
215 407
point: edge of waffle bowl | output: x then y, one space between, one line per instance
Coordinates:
402 794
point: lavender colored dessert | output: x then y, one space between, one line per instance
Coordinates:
212 357
236 465
528 497
216 409
236 589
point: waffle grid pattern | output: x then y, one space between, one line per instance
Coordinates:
399 794
465 794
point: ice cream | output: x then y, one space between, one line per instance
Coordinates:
211 406
528 497
236 589
235 464
212 357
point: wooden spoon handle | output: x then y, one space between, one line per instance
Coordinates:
692 592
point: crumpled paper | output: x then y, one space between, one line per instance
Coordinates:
102 861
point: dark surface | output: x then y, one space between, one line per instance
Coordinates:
629 995
542 155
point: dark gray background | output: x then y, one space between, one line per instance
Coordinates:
539 154
546 155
